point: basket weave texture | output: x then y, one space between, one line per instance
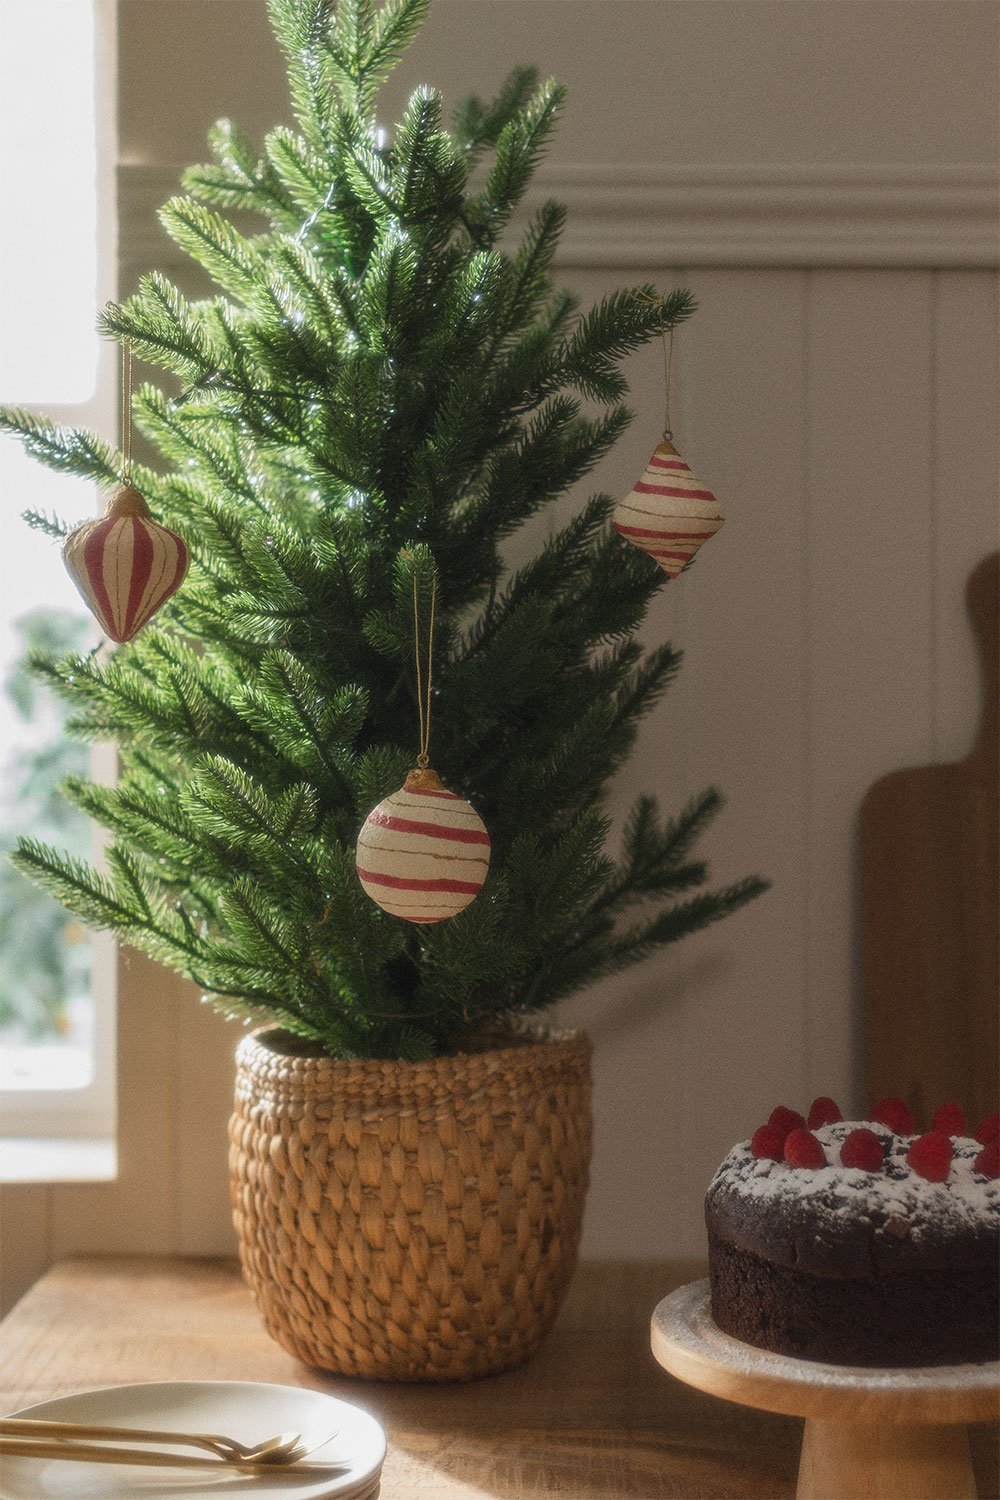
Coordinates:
411 1221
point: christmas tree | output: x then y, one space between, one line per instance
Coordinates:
381 392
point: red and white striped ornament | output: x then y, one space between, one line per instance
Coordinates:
668 513
125 564
423 853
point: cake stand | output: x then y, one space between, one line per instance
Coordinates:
870 1434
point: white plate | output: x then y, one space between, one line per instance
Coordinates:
241 1410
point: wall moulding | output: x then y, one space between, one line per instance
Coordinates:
623 216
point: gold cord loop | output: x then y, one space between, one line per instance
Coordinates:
126 413
668 349
424 706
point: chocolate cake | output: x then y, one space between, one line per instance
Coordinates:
892 1261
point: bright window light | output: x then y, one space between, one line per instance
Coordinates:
46 1006
48 186
56 185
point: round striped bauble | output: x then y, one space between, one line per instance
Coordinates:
668 513
423 853
125 564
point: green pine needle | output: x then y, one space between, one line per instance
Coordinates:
384 384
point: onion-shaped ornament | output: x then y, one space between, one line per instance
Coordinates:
669 513
125 564
423 853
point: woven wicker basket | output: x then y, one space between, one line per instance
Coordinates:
410 1221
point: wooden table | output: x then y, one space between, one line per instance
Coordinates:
591 1417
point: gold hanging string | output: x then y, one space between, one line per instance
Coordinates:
126 415
668 349
424 706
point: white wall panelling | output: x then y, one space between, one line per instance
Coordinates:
626 215
838 391
820 629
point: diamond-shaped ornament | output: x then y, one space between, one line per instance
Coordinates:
668 513
125 565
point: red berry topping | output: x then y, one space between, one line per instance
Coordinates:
785 1119
802 1149
895 1114
988 1160
930 1155
823 1111
989 1130
768 1143
862 1148
949 1119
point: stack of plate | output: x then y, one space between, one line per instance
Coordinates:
346 1437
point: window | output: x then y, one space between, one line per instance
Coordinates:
56 269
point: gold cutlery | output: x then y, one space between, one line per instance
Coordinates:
31 1438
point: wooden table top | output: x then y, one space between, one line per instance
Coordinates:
590 1417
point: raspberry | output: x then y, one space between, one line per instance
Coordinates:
802 1149
768 1142
785 1119
895 1114
823 1111
988 1160
949 1119
989 1130
930 1155
862 1148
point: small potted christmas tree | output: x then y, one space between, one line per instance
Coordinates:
384 388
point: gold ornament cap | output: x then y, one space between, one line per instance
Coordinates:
423 779
128 502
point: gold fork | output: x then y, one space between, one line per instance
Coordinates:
25 1437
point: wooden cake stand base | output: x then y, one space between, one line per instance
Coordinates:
870 1434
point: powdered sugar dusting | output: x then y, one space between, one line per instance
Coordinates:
897 1193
